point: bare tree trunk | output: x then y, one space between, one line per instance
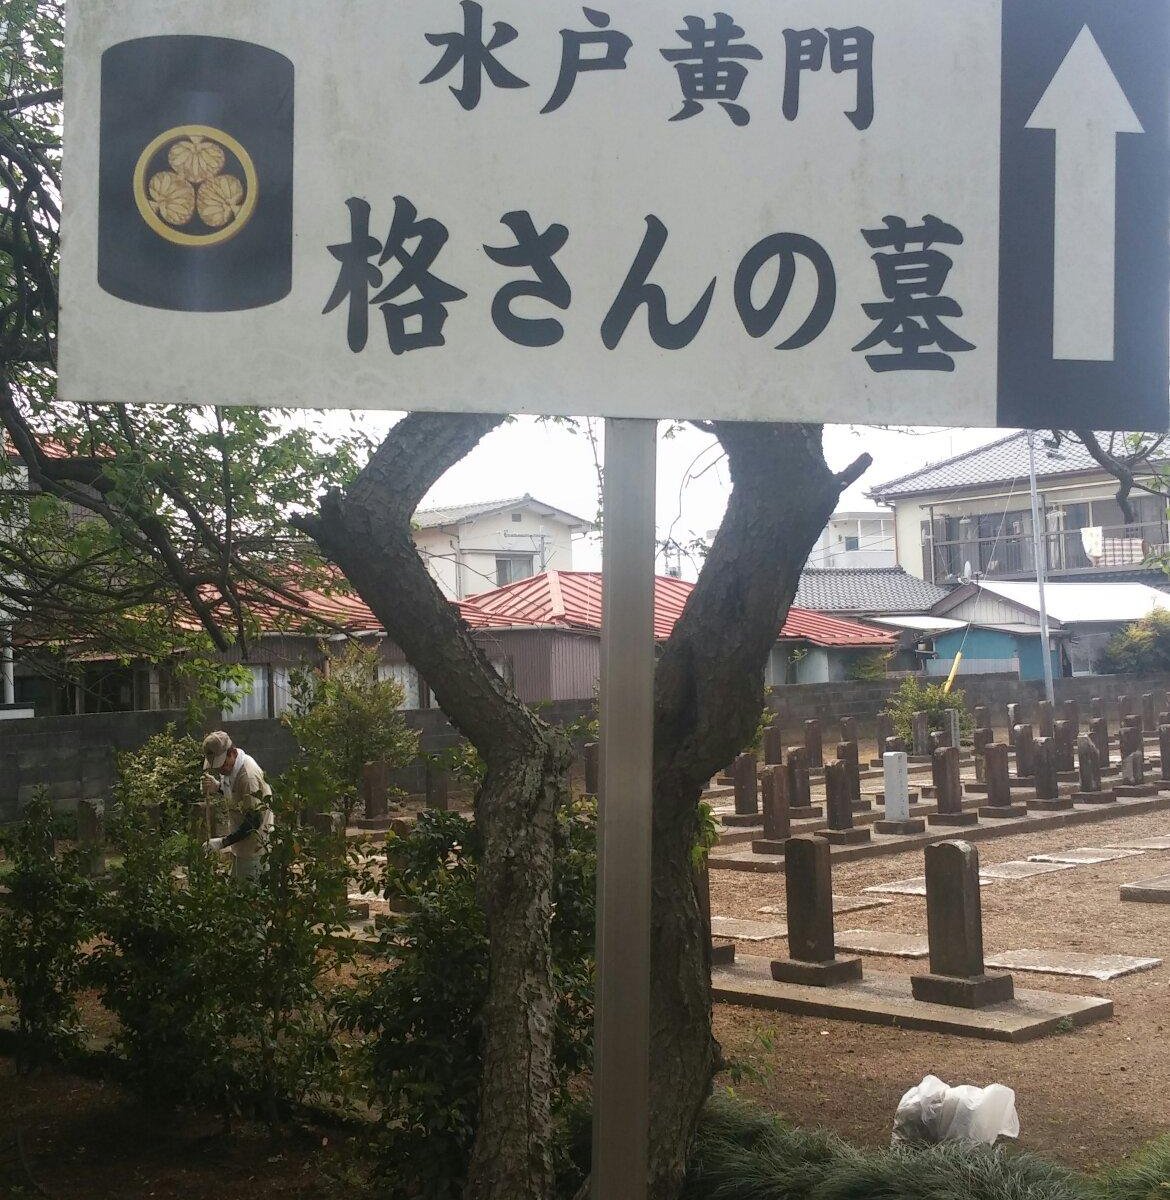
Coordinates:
368 534
709 692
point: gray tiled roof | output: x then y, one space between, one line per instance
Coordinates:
454 514
877 591
998 462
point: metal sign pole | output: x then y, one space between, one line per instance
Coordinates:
1040 548
621 1054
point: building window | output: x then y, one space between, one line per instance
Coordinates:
511 567
852 543
517 518
407 678
282 696
249 701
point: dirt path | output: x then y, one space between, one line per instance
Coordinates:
1084 1097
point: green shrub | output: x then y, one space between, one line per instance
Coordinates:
422 1018
913 696
1139 648
42 929
868 667
1144 1176
165 770
345 717
216 982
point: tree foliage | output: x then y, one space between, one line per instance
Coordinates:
914 695
1139 648
343 716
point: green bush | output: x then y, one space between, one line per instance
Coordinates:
216 982
165 770
42 930
872 666
1139 648
345 717
422 1018
913 696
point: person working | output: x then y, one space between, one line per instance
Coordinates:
238 778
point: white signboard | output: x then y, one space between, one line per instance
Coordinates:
847 210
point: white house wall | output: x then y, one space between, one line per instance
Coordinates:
987 609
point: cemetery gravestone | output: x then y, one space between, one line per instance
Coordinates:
895 745
1025 747
774 794
1048 797
773 744
949 790
438 798
897 819
1071 711
91 836
839 808
1097 707
981 739
1099 735
746 786
847 753
952 726
813 744
1044 718
982 715
799 786
920 734
1164 753
1124 707
999 789
592 767
1089 771
1149 712
954 928
1015 716
1064 739
808 887
883 727
849 729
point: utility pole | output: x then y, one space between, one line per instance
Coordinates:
1039 553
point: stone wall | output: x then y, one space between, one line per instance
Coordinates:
74 757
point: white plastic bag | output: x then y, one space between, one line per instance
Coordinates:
931 1112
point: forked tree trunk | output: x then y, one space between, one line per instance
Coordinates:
368 534
709 692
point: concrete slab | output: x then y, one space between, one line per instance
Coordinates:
1086 856
1102 967
1018 869
886 1000
1148 891
1161 842
841 904
882 942
747 931
908 887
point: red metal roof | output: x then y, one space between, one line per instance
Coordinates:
573 599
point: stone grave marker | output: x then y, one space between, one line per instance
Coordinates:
813 743
1071 711
954 927
1164 753
773 743
999 789
1064 741
981 739
375 793
897 819
747 795
1097 708
808 886
1099 736
1132 721
1149 712
952 727
1124 707
1025 748
938 740
920 734
883 727
839 808
438 794
1048 797
1089 790
895 745
847 753
91 836
1015 716
592 768
1044 718
949 790
1133 764
982 715
849 729
774 794
800 805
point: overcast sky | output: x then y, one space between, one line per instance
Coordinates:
555 464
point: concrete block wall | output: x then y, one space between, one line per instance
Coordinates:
75 758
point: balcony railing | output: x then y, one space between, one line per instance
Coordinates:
1100 548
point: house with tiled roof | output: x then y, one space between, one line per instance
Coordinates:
473 548
867 592
970 516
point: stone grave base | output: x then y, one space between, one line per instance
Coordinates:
1000 812
977 992
901 828
861 806
1148 891
880 999
1101 967
1059 804
1094 797
953 819
734 820
913 795
845 837
806 812
1131 790
722 954
832 973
